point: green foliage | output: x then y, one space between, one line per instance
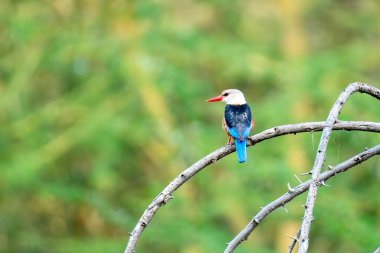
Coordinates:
103 102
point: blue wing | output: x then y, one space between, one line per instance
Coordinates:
238 120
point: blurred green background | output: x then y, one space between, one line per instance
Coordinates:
102 103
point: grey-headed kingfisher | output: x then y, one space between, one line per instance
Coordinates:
237 120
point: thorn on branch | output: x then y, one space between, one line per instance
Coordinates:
305 173
299 180
358 159
292 237
284 207
130 233
324 184
330 167
291 190
167 198
256 220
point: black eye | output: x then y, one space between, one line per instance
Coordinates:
225 94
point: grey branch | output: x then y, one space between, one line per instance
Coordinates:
301 188
321 156
185 175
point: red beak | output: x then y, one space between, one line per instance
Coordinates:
215 99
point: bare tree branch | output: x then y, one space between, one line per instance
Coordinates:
185 175
321 156
301 188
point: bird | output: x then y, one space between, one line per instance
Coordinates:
237 121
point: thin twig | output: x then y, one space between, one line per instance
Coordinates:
301 188
321 156
185 175
295 240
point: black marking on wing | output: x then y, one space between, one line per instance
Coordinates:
238 118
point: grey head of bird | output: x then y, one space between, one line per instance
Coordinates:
233 97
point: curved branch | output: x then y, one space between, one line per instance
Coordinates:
321 156
185 175
292 193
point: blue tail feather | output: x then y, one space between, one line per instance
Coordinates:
241 150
